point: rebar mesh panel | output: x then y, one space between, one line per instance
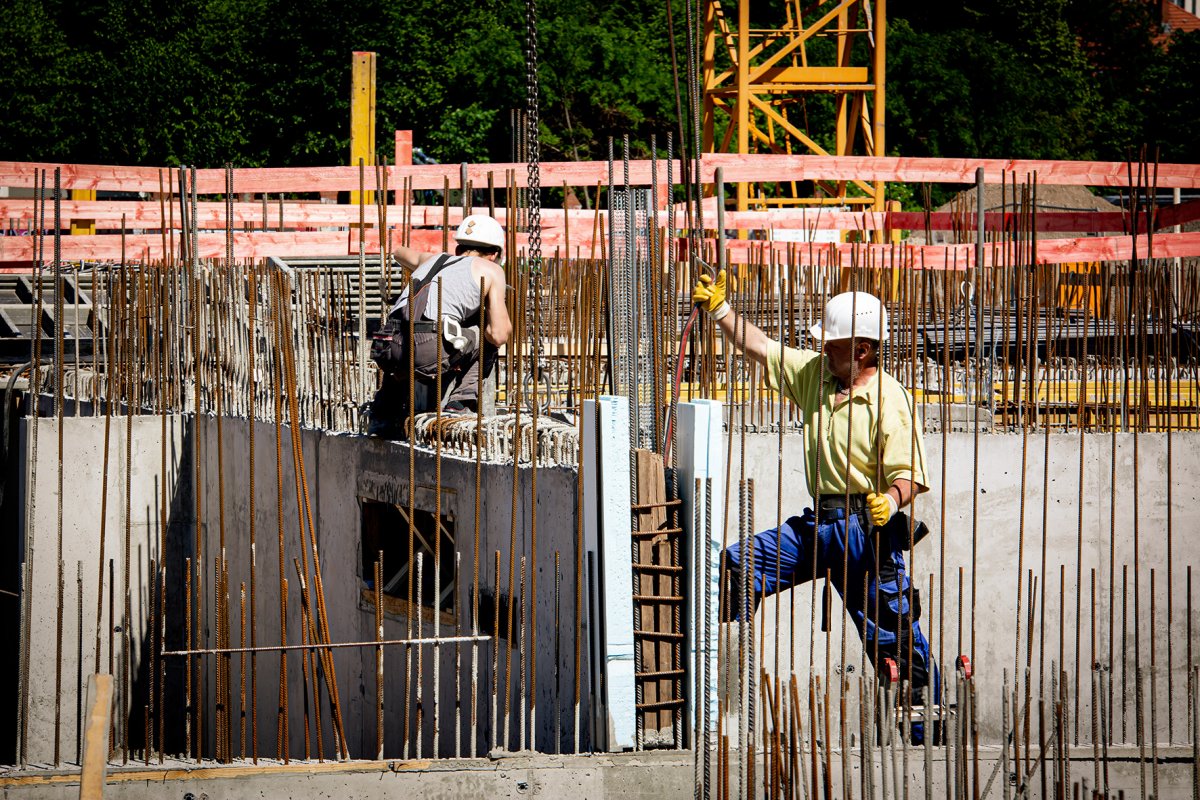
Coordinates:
631 290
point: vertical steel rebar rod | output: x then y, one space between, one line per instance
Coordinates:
127 617
496 650
420 693
252 417
58 417
483 343
379 676
535 365
436 602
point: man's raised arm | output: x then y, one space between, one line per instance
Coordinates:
745 335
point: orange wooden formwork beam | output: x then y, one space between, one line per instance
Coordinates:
108 215
751 168
257 245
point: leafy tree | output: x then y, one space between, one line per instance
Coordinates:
266 82
1173 109
39 93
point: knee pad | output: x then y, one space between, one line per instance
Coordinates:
888 617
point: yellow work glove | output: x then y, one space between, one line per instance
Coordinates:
881 507
710 295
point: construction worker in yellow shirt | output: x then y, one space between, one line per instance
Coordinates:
864 461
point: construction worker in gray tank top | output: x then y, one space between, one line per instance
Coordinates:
457 283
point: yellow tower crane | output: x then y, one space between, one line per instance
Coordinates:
761 89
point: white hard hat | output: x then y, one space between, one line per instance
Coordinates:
856 314
482 230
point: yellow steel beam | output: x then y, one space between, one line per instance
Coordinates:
879 57
800 39
743 97
362 117
753 74
797 40
815 75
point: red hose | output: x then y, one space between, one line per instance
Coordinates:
683 340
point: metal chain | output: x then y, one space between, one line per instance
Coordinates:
533 139
535 180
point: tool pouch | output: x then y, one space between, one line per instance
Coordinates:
898 528
388 345
889 619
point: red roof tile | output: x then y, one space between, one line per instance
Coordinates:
1175 18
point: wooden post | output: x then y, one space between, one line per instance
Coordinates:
95 741
403 149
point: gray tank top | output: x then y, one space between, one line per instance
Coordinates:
459 289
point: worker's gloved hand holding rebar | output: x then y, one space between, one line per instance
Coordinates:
710 295
881 507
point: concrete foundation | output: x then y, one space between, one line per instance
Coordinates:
651 775
997 503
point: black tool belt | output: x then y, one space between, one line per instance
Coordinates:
897 526
836 502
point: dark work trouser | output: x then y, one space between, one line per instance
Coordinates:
876 599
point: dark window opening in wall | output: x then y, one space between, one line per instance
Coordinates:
493 614
385 527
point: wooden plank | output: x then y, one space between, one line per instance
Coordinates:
656 616
203 773
94 769
109 214
362 120
298 244
737 168
404 148
962 256
1179 214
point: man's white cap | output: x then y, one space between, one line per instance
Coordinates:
856 314
480 229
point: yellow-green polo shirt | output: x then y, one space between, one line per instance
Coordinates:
883 419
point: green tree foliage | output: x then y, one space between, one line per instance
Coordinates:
266 82
1082 79
1175 103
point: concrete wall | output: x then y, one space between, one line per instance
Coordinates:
119 508
341 472
989 556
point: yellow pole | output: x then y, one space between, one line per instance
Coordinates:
85 227
880 76
743 94
362 116
708 72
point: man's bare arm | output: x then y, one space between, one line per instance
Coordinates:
499 324
409 257
902 492
746 336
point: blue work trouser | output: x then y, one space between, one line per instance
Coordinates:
847 541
